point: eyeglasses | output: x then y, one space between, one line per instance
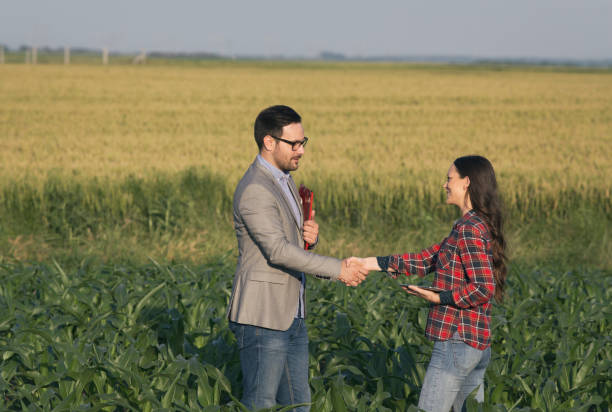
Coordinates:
295 145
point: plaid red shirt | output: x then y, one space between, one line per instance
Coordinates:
463 263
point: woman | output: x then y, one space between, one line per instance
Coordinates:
470 268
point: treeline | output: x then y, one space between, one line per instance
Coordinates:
323 55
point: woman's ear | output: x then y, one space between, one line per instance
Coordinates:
467 183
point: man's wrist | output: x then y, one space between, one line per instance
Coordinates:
312 245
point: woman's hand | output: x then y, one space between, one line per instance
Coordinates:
370 263
433 297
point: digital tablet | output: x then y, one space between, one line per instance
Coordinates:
432 288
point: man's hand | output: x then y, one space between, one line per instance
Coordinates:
353 273
311 230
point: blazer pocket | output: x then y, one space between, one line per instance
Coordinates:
270 277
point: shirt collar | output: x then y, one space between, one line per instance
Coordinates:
276 172
467 216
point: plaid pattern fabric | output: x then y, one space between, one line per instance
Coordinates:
463 263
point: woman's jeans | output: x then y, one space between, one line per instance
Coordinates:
454 371
274 365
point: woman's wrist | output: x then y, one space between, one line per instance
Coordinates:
382 262
371 264
446 297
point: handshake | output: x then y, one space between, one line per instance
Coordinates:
354 271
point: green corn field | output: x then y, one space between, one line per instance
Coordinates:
155 338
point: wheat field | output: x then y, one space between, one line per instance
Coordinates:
74 139
393 122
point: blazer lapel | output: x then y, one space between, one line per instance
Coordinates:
297 198
281 195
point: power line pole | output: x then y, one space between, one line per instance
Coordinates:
66 55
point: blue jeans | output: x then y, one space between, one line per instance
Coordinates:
274 365
454 371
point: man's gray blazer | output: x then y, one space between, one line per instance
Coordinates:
271 255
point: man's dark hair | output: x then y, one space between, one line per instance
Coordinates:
272 120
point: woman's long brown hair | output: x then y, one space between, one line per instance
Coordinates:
486 202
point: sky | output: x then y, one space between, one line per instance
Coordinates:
547 29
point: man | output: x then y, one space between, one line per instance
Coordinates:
267 306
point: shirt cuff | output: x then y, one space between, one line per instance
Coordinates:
383 262
310 247
446 298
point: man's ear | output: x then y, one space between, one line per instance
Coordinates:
268 143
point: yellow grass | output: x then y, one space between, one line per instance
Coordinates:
391 123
